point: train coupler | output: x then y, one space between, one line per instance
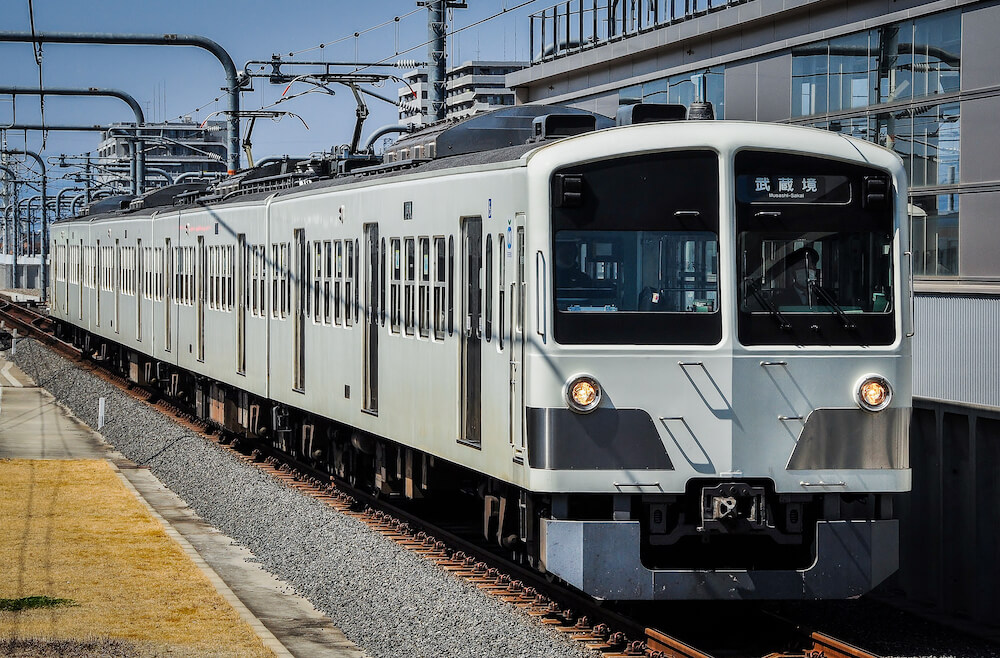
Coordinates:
733 506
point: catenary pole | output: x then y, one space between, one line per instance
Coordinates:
45 223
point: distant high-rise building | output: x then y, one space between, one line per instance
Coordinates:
476 86
172 148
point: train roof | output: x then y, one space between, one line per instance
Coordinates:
504 136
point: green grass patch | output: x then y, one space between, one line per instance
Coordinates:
32 602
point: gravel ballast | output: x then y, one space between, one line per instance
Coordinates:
390 602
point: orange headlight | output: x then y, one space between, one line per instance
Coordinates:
583 394
874 393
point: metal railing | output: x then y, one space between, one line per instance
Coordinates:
576 25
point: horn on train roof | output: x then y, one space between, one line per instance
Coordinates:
700 108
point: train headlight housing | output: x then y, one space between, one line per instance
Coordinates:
583 394
873 393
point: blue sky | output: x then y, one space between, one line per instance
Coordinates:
173 81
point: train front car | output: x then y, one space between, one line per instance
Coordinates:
720 366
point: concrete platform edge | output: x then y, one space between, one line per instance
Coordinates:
258 627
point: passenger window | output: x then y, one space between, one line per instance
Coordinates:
317 270
451 285
357 279
349 286
286 299
489 287
397 269
440 282
408 291
275 273
425 285
502 257
338 286
327 280
381 284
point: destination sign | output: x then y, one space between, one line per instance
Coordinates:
789 188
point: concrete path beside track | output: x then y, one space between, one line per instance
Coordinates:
34 426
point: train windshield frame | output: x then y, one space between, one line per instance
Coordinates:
635 250
813 268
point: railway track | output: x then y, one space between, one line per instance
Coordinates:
602 629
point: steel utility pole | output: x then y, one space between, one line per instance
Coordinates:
436 68
45 223
232 87
138 157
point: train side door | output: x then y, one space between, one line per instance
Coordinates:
79 278
168 290
200 290
299 319
98 283
66 278
371 318
514 249
472 356
138 289
241 305
53 290
117 279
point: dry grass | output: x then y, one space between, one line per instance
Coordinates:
70 529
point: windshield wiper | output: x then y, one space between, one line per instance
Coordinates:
772 310
829 300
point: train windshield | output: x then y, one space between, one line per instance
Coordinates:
637 271
814 241
815 272
635 250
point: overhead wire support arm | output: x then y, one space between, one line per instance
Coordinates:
233 83
253 115
138 160
276 76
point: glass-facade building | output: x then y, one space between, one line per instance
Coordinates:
896 85
891 78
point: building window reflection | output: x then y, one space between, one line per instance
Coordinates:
889 64
680 89
934 234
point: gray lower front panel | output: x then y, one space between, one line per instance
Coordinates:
853 438
603 439
601 558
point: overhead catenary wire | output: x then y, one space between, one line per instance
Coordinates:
395 20
358 33
451 33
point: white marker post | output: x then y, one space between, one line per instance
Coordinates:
100 413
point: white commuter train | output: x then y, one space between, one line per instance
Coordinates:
671 358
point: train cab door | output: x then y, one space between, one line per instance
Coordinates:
371 322
514 253
472 355
242 286
168 292
200 290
